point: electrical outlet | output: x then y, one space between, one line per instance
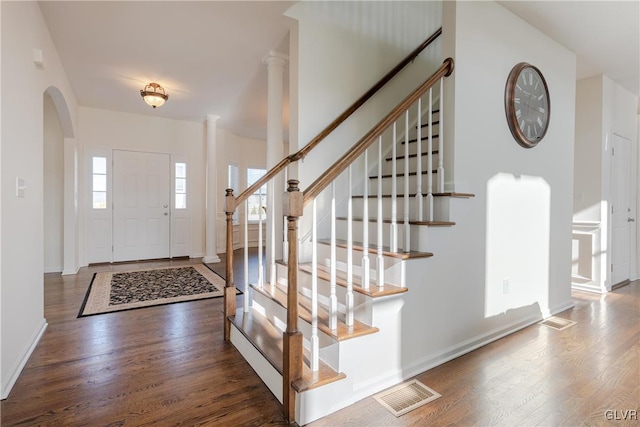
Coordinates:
505 285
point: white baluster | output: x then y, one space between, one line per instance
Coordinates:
260 263
430 160
441 141
246 256
315 343
380 257
333 299
407 226
393 233
272 223
365 225
285 235
419 163
349 297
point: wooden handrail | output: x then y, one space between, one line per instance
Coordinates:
341 165
300 154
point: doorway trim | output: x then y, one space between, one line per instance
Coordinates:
70 251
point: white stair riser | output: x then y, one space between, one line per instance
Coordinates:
387 165
272 310
418 233
391 270
362 309
440 208
387 184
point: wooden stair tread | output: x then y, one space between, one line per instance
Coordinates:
434 152
267 339
446 194
357 246
343 332
435 122
401 222
422 138
374 290
400 175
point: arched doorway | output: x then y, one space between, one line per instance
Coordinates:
60 185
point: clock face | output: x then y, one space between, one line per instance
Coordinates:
527 104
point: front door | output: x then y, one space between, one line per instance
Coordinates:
620 209
141 197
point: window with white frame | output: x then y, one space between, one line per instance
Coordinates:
181 186
256 208
99 182
232 182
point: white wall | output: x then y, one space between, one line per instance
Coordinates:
101 131
588 146
518 226
603 108
22 249
341 50
53 188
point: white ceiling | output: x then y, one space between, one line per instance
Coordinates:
605 35
207 54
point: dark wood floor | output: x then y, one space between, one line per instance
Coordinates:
169 365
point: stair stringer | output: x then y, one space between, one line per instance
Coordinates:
265 370
371 363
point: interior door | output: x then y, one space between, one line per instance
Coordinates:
141 212
620 209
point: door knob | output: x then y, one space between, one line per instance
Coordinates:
631 220
166 214
166 206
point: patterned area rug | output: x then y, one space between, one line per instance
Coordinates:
117 291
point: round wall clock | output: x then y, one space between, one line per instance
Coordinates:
527 104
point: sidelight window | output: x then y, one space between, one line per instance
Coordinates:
257 209
181 186
99 182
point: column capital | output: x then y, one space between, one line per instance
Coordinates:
212 118
273 58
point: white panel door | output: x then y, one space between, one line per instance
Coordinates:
621 209
141 198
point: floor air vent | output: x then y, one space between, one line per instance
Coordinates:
558 323
406 397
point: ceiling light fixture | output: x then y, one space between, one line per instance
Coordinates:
154 95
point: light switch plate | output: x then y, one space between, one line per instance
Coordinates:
20 187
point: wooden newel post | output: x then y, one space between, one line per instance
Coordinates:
230 288
292 344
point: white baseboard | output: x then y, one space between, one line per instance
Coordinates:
560 308
589 288
211 260
197 255
431 361
15 371
53 269
71 272
391 378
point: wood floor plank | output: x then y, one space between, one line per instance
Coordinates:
169 365
537 376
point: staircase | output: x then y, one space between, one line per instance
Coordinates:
322 331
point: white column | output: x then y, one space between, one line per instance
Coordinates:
212 188
275 63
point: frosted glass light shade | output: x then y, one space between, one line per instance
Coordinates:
154 95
